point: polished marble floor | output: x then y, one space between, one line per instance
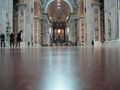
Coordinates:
60 68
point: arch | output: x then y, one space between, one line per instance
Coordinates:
53 1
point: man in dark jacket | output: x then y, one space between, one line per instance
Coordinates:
18 39
2 37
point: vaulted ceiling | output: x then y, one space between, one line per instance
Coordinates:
58 11
45 2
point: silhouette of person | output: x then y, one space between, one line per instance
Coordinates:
12 39
18 39
92 43
28 44
2 36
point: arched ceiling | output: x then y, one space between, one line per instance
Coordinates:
44 3
58 14
58 11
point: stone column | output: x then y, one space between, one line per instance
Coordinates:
26 20
9 18
72 30
6 17
97 30
36 22
1 16
119 18
81 22
89 21
35 31
106 9
81 31
64 34
53 35
21 19
111 21
45 30
29 20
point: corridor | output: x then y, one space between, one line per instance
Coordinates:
60 68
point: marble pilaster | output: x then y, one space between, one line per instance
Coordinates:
45 31
111 21
21 19
81 31
118 1
6 17
97 29
89 20
72 30
36 32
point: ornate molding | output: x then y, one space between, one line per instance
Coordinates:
21 4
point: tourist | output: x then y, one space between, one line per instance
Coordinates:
18 39
12 36
92 43
2 37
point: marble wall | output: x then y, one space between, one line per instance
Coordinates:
72 30
45 35
36 33
111 20
29 20
6 17
89 21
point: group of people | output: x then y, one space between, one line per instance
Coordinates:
12 39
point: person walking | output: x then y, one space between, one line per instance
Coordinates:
12 36
2 37
92 43
18 39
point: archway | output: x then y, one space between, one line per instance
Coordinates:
58 13
50 1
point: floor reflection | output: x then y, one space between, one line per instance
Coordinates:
58 74
60 68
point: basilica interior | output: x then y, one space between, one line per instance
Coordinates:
62 22
59 22
59 44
